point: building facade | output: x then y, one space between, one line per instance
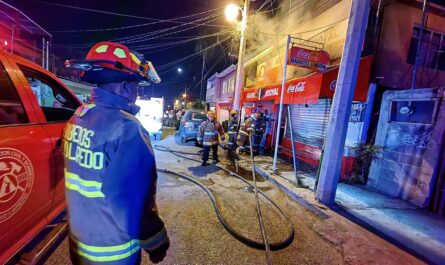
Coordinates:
220 92
318 25
410 126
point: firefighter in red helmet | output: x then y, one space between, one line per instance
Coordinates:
110 170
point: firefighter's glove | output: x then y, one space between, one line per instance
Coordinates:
157 255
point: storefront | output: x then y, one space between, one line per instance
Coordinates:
310 100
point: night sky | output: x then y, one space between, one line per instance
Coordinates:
164 43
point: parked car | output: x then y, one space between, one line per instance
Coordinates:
190 122
34 106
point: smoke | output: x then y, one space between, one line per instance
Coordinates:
260 31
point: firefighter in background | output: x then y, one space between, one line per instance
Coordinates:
267 120
247 126
259 129
110 169
233 132
208 136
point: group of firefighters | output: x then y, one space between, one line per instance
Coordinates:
255 126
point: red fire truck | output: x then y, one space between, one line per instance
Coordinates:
34 106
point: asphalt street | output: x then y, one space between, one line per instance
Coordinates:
197 237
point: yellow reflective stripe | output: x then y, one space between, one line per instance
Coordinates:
87 188
107 258
105 249
88 194
135 58
84 109
96 253
210 143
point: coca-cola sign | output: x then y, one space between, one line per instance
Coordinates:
308 58
298 87
251 95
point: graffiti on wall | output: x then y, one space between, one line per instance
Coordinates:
401 136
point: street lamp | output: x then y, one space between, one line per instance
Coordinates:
231 12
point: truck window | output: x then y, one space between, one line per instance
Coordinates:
11 107
56 103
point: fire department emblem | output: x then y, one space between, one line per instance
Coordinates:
16 180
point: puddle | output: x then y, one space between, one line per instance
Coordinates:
245 174
265 188
207 182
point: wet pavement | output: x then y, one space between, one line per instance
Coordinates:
197 237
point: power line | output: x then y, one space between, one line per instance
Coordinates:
191 55
135 26
163 44
116 14
143 36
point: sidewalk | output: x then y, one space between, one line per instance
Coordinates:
415 230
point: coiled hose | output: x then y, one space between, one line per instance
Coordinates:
274 246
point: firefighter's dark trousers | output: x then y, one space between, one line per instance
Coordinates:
206 151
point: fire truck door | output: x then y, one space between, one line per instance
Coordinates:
58 105
25 154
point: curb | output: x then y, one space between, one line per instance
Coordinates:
291 193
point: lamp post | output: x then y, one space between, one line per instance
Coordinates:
184 96
231 13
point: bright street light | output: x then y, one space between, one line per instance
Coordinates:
231 12
179 70
184 95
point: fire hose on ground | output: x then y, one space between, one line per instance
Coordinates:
264 245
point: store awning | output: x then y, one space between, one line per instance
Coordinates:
308 89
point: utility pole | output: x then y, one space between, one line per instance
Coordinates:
280 111
240 65
201 94
341 107
185 95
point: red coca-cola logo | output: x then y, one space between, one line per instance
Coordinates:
307 55
299 87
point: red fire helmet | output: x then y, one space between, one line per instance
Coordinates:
110 62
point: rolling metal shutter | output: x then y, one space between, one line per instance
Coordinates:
310 123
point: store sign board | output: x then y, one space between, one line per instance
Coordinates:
271 93
250 95
303 91
329 83
317 60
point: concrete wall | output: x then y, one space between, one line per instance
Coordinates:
406 167
395 38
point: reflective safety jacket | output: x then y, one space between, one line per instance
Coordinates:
110 183
232 131
208 132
